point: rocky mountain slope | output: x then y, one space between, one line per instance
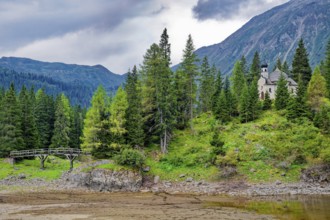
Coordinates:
275 34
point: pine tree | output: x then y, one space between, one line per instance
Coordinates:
285 68
244 110
62 125
77 125
44 116
28 124
232 100
189 68
207 86
282 94
181 100
327 68
96 133
10 124
300 64
255 68
297 106
237 80
157 95
278 64
134 120
267 102
222 111
244 66
317 90
217 91
254 103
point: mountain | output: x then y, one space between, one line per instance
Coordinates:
78 82
275 34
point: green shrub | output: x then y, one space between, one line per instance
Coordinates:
130 157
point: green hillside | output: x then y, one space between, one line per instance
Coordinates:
270 148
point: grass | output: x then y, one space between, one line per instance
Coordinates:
271 147
54 168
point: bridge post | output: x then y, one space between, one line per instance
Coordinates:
71 157
42 158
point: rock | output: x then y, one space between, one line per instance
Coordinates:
316 174
189 179
156 179
182 175
228 171
146 169
283 174
21 176
252 170
277 182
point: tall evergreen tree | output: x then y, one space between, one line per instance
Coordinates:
190 69
286 69
327 68
237 79
282 94
44 114
10 124
278 64
244 110
255 68
267 102
254 103
222 111
134 120
77 125
300 64
206 86
28 124
62 124
297 106
244 66
218 86
317 90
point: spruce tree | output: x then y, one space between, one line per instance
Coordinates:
255 68
253 100
222 111
134 120
282 94
237 80
245 68
77 125
10 124
267 104
244 109
327 69
217 91
285 68
190 69
316 91
44 115
206 86
300 64
278 64
62 124
28 124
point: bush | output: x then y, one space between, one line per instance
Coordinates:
130 157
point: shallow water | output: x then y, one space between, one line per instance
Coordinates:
75 205
283 207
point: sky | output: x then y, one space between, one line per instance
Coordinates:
117 33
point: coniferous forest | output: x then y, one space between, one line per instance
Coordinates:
156 106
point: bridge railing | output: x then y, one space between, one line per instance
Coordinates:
54 151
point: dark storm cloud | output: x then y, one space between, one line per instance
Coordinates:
24 21
228 9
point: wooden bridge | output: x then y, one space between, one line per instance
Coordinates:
70 153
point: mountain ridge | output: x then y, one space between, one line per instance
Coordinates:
275 34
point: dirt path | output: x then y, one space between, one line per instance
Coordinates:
75 205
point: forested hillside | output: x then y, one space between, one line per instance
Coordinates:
185 121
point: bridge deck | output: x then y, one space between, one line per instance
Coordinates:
49 151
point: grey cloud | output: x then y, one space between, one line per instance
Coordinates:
228 9
25 21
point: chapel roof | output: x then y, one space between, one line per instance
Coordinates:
275 76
